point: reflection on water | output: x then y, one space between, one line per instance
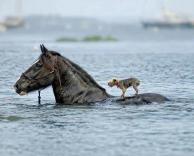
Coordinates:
27 128
10 118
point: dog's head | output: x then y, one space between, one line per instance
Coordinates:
112 82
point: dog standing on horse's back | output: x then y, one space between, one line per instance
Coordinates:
125 84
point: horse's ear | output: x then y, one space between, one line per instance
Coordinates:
43 49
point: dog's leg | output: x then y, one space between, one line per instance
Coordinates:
123 93
136 89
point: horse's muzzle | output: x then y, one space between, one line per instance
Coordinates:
16 87
18 90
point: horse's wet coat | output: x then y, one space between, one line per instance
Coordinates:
71 84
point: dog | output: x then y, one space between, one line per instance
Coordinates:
125 84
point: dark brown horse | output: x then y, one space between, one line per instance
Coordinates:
71 84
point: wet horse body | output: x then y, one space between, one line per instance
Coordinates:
71 84
77 86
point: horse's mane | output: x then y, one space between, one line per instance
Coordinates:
80 71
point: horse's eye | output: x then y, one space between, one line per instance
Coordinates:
38 65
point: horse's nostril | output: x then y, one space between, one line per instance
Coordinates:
16 86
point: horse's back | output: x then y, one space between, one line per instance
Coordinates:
145 98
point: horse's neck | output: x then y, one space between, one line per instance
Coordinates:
83 74
73 81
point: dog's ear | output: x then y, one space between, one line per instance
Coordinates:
114 80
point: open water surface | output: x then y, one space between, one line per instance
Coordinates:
103 129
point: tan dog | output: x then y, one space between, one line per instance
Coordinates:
125 84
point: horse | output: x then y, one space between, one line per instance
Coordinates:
71 84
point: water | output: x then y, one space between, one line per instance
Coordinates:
164 66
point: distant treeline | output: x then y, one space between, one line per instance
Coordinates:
91 38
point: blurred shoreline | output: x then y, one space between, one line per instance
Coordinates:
51 28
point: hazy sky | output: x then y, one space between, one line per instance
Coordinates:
99 8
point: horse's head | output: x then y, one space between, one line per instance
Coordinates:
40 75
